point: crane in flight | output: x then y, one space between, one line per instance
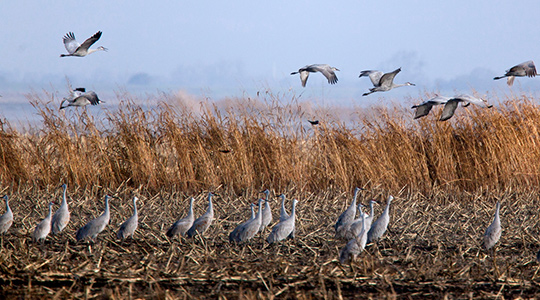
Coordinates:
382 82
326 70
523 69
75 49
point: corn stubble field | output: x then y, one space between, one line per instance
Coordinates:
445 177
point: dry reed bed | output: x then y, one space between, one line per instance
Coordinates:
432 249
256 143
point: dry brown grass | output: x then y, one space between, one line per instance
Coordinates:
446 178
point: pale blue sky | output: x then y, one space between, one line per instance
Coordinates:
225 48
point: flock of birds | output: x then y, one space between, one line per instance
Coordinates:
382 82
358 231
185 227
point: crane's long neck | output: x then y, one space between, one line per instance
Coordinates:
283 204
134 206
259 213
7 204
50 211
252 211
497 219
190 212
106 213
353 204
210 206
293 210
64 199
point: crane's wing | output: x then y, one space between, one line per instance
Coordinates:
91 40
304 77
449 109
327 71
388 78
530 69
422 109
70 43
374 76
92 97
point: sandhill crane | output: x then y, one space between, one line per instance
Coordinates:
7 218
79 98
95 226
382 82
355 246
356 226
283 229
181 226
60 218
203 222
493 232
130 225
252 207
44 227
325 69
247 230
523 69
452 104
378 228
267 211
75 49
425 107
347 216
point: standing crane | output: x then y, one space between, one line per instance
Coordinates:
267 211
247 230
494 230
347 216
452 104
130 225
44 227
75 49
61 217
203 222
181 226
523 69
283 229
378 228
7 218
326 70
95 226
355 246
383 82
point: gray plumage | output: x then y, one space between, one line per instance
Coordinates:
355 246
452 104
382 82
425 107
363 220
252 206
61 217
493 232
130 225
523 69
44 227
378 228
267 211
78 98
203 222
95 226
347 216
247 230
7 218
75 49
283 229
326 70
181 226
